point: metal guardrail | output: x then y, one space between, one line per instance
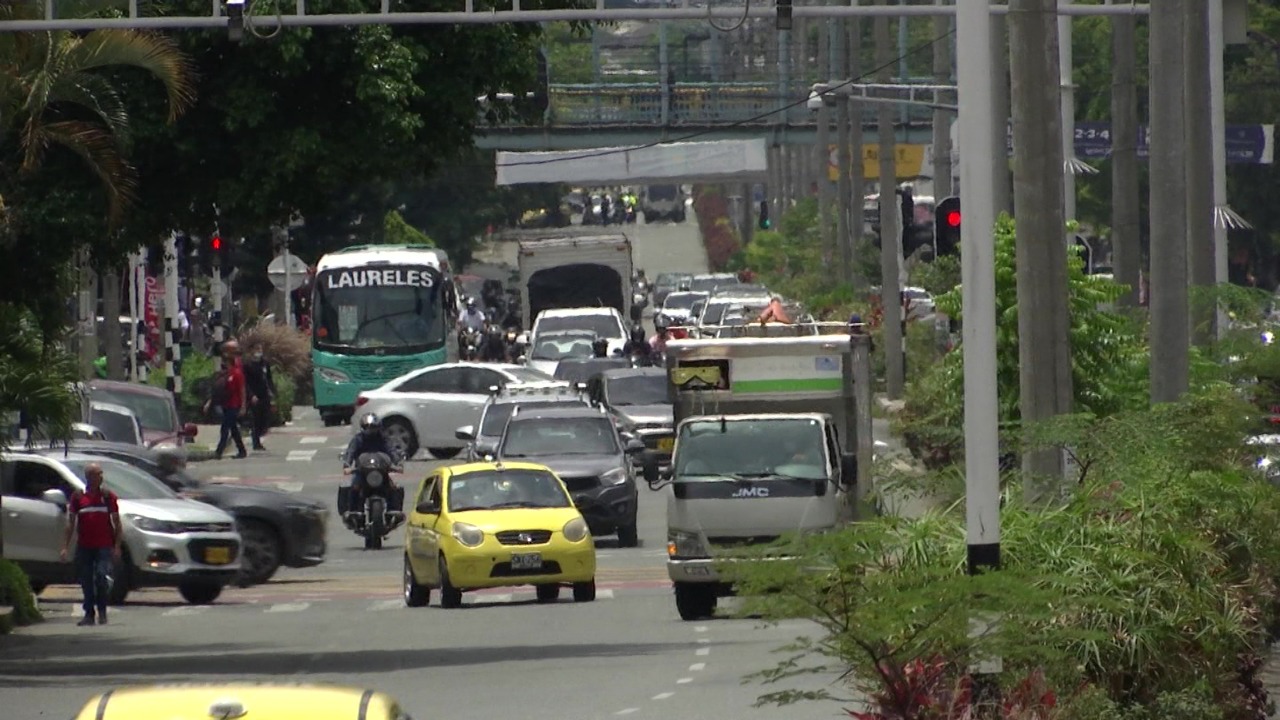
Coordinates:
690 104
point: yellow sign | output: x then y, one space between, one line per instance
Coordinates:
698 377
910 161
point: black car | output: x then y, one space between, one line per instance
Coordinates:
638 398
583 446
276 528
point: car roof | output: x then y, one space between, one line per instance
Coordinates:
110 407
586 411
137 388
568 396
95 447
267 700
465 468
570 312
569 332
58 454
613 373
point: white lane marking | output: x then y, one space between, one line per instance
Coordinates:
627 711
387 605
186 610
289 607
697 666
700 628
300 455
491 598
702 651
684 681
292 487
701 641
313 440
663 696
225 478
604 594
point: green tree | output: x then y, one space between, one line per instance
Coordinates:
395 231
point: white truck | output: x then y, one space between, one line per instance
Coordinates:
572 270
772 434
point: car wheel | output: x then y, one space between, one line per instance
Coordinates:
444 453
584 591
199 593
415 595
628 536
450 596
260 552
119 588
548 593
400 435
695 601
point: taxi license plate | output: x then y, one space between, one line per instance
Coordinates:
217 555
526 561
666 444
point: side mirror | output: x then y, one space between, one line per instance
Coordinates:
190 430
634 446
54 496
466 433
428 508
849 469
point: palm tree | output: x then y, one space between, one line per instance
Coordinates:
52 93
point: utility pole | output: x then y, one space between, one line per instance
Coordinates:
172 350
1044 352
822 154
851 30
848 164
1199 170
219 293
111 311
890 216
1126 206
137 283
942 70
1170 352
1001 183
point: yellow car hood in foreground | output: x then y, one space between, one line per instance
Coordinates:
245 701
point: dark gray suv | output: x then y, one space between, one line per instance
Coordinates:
482 439
581 445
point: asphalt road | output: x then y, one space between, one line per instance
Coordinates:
626 655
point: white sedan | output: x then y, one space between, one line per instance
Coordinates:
422 409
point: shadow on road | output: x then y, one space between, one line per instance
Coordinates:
109 657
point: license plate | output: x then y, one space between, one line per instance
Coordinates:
217 555
526 561
699 571
666 444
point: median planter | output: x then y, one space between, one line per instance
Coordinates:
719 238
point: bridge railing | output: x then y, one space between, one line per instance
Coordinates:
690 104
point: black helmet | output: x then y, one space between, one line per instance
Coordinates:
370 424
660 323
600 347
637 335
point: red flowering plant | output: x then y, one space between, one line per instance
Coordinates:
934 690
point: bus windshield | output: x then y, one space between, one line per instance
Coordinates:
364 309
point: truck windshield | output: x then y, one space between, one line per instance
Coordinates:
364 309
714 448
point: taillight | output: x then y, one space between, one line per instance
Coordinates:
360 400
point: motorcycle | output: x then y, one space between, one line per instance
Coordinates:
382 509
468 344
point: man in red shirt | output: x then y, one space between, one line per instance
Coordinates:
230 399
94 518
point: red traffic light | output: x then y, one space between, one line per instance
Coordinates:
953 218
216 242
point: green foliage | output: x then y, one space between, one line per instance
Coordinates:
940 276
197 384
15 592
1157 576
395 231
36 376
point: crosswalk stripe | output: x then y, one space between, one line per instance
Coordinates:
289 607
491 598
301 455
314 440
185 610
606 594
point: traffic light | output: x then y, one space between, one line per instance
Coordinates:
946 232
765 222
221 252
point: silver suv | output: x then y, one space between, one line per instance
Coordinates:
169 541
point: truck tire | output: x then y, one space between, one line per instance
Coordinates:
695 601
628 536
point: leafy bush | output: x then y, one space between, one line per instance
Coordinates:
197 385
15 591
285 349
1159 573
36 376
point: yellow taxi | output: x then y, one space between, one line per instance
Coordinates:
486 525
249 701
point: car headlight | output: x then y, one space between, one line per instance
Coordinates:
683 544
576 530
616 476
333 375
149 524
373 479
467 535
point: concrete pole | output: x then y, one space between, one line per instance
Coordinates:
974 60
1198 146
86 314
1126 205
664 67
852 31
1002 176
1043 325
848 164
136 265
904 67
110 280
172 350
1170 353
216 303
1066 85
1218 105
942 70
822 154
890 222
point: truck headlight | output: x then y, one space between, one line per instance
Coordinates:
576 530
468 535
688 545
616 476
333 375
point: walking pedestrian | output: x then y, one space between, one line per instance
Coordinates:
93 516
262 394
229 396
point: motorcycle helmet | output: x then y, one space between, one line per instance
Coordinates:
637 335
661 323
471 303
370 424
600 347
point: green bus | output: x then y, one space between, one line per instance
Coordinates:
378 312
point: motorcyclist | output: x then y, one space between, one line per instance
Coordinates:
472 318
600 348
494 346
638 346
369 440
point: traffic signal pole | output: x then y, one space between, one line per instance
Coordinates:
172 350
218 290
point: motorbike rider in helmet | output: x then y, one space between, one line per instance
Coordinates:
369 440
638 347
600 348
494 345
